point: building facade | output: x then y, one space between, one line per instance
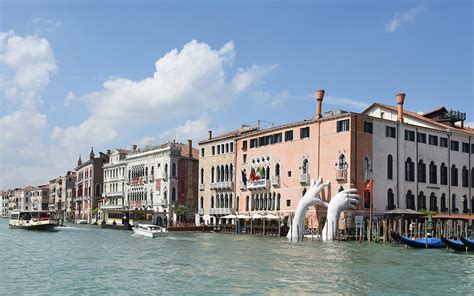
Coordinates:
58 190
88 186
40 198
114 179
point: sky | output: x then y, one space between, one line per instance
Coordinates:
109 74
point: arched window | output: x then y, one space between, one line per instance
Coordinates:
433 202
367 169
202 203
410 200
444 174
152 171
173 169
409 170
247 203
304 167
421 171
129 174
237 201
268 173
277 170
226 201
389 167
212 202
465 177
390 199
222 174
421 201
166 171
146 172
226 173
212 174
433 173
202 175
278 203
230 201
218 177
443 203
453 204
454 175
231 173
465 208
341 162
173 195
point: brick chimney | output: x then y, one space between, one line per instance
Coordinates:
210 135
190 144
400 101
319 103
134 147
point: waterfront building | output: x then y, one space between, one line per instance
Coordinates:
114 179
70 205
25 198
162 178
58 189
369 151
3 203
40 198
88 186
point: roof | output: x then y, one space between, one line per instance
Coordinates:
421 117
230 134
28 188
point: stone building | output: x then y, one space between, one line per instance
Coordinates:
40 198
114 179
58 189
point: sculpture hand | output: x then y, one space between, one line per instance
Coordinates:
312 196
344 200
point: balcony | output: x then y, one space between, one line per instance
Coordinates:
304 178
258 185
276 181
213 186
201 211
341 174
219 211
201 187
222 185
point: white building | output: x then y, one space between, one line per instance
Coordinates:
114 180
40 198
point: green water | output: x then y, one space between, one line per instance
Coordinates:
80 260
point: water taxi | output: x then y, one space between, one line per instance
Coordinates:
149 230
33 220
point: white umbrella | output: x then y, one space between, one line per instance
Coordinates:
257 216
229 217
242 216
271 217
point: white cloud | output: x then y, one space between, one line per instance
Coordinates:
348 103
469 124
144 141
195 130
42 25
267 98
401 18
69 98
26 65
189 81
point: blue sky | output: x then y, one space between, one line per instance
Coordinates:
267 59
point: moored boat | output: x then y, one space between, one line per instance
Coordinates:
149 230
456 245
422 243
33 220
468 242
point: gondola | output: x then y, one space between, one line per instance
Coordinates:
468 242
422 243
456 245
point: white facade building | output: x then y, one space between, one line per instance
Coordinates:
114 180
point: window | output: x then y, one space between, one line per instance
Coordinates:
368 127
443 203
443 142
421 138
277 138
289 174
421 201
454 175
433 140
288 136
465 210
367 169
247 203
244 158
390 132
219 149
465 147
277 170
213 173
433 173
304 167
465 177
244 145
213 150
288 202
390 199
253 143
433 202
410 200
444 174
472 178
232 146
343 125
202 175
421 171
453 204
409 135
173 170
455 145
202 152
409 170
389 167
304 132
226 147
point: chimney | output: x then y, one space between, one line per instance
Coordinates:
134 147
400 101
319 103
108 152
190 144
210 135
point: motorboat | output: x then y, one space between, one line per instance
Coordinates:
150 230
422 243
456 245
33 220
81 221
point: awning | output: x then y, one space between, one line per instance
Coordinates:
229 217
257 216
271 217
402 212
242 216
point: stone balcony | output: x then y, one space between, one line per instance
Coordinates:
304 179
201 187
341 175
219 211
259 185
222 185
276 181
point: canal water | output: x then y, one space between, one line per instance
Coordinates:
80 260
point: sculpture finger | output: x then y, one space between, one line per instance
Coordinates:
353 200
323 185
354 196
353 207
319 181
349 191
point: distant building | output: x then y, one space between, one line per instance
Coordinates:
40 198
58 189
114 179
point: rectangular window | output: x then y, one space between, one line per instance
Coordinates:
277 138
289 174
244 158
433 140
368 127
253 143
232 146
202 152
465 147
218 149
213 150
288 202
421 138
390 132
289 136
343 125
443 142
227 148
455 145
409 135
244 145
304 132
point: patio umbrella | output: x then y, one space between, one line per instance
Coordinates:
242 216
229 217
271 217
257 216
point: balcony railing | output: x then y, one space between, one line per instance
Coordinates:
201 187
258 184
304 178
341 174
219 211
276 181
222 185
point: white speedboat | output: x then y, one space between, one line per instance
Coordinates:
149 230
81 221
33 220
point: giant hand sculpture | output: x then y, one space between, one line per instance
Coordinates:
310 198
344 200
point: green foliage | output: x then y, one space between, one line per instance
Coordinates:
95 211
180 211
428 213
